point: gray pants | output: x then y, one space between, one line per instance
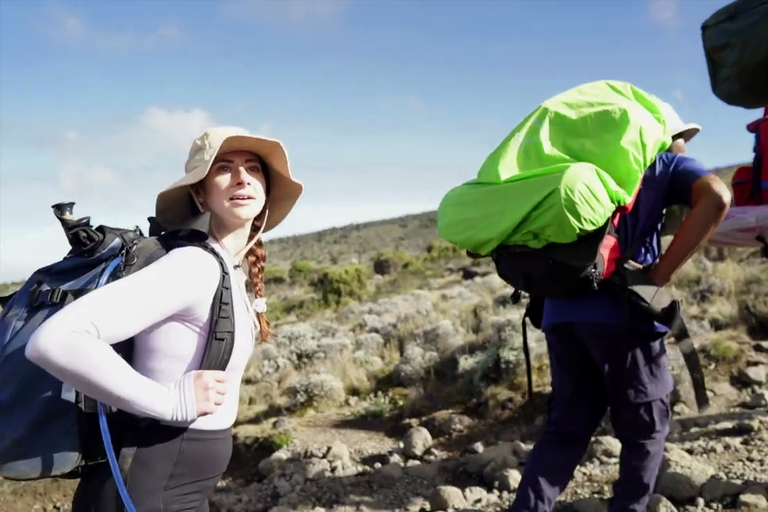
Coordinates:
594 367
165 469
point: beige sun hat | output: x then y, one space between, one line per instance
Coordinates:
675 124
175 206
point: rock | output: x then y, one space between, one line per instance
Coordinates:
680 409
507 480
658 503
682 476
389 475
477 447
427 471
273 463
315 469
416 442
476 496
281 423
446 423
339 452
752 500
604 447
589 505
446 497
754 375
492 459
716 489
504 300
724 389
468 273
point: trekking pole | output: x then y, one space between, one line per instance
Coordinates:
79 232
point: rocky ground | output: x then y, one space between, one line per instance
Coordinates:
416 402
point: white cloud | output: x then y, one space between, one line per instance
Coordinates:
292 12
143 148
664 13
67 27
114 171
679 95
113 174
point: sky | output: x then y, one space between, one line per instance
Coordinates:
382 105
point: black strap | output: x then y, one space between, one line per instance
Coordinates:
641 293
527 354
534 311
756 191
221 336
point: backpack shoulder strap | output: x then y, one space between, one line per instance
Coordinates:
221 335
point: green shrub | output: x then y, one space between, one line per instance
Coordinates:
278 440
334 284
275 275
442 250
302 270
395 261
302 308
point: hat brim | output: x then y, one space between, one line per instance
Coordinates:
688 131
174 205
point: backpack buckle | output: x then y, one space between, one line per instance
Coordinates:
48 297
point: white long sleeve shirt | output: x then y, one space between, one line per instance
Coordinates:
166 307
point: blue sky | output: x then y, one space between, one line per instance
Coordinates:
383 105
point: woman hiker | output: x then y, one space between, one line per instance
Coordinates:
175 459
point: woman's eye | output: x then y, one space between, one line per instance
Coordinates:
254 170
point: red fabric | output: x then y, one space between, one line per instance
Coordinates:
609 253
610 250
743 186
743 183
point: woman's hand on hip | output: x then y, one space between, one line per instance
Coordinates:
210 390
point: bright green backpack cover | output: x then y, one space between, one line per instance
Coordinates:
561 172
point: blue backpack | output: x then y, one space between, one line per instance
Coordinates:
48 429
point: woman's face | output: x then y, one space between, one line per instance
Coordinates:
235 188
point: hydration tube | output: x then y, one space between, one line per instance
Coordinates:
105 437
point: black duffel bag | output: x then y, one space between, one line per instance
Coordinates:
735 40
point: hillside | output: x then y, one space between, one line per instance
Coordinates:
395 381
356 242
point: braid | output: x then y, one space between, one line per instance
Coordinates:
256 258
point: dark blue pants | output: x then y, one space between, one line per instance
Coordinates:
594 367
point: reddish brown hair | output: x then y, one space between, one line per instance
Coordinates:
256 259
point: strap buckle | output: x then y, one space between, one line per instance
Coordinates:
48 297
